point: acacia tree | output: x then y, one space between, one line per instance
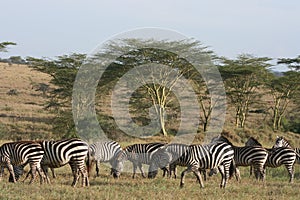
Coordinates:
134 52
63 72
242 78
284 89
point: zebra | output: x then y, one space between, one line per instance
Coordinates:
255 156
105 151
19 154
197 157
278 156
252 142
282 142
68 151
138 154
168 158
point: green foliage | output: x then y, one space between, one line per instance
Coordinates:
242 78
4 45
292 63
63 71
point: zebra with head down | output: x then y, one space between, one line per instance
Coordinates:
138 154
195 157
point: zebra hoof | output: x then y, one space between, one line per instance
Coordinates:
181 185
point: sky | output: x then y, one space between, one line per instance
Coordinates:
229 27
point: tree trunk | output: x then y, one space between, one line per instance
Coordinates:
162 120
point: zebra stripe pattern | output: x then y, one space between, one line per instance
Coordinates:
210 156
248 156
138 154
19 154
278 156
282 156
252 142
282 142
70 151
196 157
61 152
105 151
167 158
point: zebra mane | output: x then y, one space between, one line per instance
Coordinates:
221 138
253 140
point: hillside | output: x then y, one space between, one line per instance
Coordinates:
23 94
21 103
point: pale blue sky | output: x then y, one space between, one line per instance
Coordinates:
230 27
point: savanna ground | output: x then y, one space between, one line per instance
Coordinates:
106 187
22 116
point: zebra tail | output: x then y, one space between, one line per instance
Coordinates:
89 163
232 168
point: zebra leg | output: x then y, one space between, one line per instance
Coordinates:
225 174
198 175
46 175
33 169
237 175
84 174
41 174
75 173
188 170
11 171
97 168
203 171
141 169
1 172
290 169
134 169
53 173
174 170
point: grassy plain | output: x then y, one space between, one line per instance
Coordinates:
22 117
105 187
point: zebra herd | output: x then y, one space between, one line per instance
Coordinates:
218 156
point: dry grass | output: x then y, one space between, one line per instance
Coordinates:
105 187
21 111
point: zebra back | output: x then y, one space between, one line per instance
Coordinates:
140 152
104 151
21 152
60 152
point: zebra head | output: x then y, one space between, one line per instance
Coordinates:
160 159
118 163
281 142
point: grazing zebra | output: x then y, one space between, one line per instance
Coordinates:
196 157
138 154
19 154
168 158
255 156
69 151
278 156
282 142
105 151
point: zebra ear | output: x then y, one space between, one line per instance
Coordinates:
277 137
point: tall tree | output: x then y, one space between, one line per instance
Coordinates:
284 89
158 89
63 71
242 77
